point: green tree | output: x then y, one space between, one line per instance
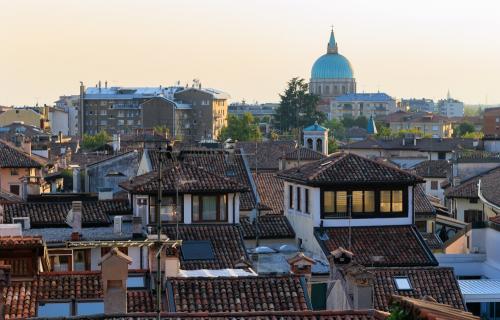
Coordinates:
93 142
349 122
384 132
336 128
297 107
417 132
332 146
465 128
241 128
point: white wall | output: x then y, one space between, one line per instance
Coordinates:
439 193
133 252
59 122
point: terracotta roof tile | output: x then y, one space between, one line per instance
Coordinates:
220 163
423 206
12 157
21 297
396 245
270 189
427 309
234 294
20 242
347 168
226 240
265 155
433 168
432 241
437 282
305 154
271 226
45 214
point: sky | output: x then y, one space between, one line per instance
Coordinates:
249 49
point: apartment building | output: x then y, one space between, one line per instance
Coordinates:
427 123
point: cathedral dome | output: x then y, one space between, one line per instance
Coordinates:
332 65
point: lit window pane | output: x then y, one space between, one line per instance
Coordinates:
397 201
341 201
385 201
369 201
357 201
328 201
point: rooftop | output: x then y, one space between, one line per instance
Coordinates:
372 97
271 226
13 157
270 190
264 155
433 168
306 154
384 246
226 241
421 144
428 309
237 294
342 169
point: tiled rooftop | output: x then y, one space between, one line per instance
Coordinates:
433 168
306 154
437 282
12 157
347 168
384 246
226 240
423 206
490 187
270 189
219 163
20 242
271 226
265 155
187 178
21 297
428 309
423 144
269 293
53 214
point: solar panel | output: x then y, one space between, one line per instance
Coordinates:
197 250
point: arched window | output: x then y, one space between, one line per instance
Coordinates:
327 90
319 145
344 91
310 143
336 90
319 89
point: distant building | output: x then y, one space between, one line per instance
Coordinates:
418 105
26 116
59 121
258 111
201 111
450 107
361 104
70 104
491 122
427 123
332 74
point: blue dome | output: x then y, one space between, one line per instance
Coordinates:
332 66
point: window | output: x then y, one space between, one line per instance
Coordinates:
103 123
290 197
136 282
472 216
54 309
473 200
121 122
197 250
15 189
61 262
341 201
402 283
369 201
357 201
84 308
329 201
391 201
441 155
168 211
306 200
14 172
434 185
81 260
435 128
298 198
209 208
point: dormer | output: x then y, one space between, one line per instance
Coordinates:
189 195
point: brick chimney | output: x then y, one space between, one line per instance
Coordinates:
26 145
114 272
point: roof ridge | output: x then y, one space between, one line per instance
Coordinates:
325 165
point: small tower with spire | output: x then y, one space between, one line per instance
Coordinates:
371 128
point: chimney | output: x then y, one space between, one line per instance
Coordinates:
26 145
114 273
360 284
76 179
76 222
117 224
172 263
99 85
301 265
106 84
116 143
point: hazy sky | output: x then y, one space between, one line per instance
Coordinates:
248 48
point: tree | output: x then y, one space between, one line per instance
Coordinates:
384 132
297 107
241 128
93 142
336 128
465 128
414 131
332 146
